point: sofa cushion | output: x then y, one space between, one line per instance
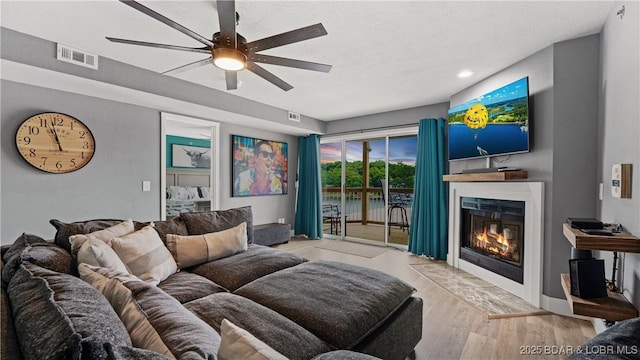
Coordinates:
239 344
620 341
172 226
197 249
74 320
10 348
98 253
205 222
280 333
120 229
235 271
65 230
131 353
185 286
45 254
365 297
144 255
11 257
155 320
21 242
344 355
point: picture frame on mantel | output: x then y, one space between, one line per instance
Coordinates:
259 167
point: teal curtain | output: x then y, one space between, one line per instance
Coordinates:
309 202
428 231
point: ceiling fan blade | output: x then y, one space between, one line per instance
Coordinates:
300 64
162 46
232 79
193 65
263 73
145 10
227 19
288 37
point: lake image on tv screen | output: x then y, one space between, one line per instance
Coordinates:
504 130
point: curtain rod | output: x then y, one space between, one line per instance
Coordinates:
372 129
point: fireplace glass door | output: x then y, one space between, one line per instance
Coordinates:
492 235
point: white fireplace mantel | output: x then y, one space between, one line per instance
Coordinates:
532 193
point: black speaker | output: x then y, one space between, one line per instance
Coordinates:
587 278
584 223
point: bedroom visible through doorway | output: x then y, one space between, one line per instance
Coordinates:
189 163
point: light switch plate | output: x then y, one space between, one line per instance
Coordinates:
146 185
621 181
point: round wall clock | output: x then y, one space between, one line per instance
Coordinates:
55 142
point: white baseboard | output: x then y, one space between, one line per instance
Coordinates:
560 307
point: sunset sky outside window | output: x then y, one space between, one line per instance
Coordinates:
401 149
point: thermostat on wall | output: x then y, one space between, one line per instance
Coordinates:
621 180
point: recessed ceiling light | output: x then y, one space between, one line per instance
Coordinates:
465 73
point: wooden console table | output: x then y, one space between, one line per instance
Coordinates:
615 306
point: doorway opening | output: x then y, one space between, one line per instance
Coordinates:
189 175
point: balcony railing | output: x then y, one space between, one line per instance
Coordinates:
366 205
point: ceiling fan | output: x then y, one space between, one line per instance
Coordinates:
230 51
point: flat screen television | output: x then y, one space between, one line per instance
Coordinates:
496 123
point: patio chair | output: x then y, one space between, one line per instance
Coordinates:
331 213
397 202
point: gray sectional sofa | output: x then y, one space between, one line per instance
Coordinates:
300 309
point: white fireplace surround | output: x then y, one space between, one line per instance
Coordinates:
532 193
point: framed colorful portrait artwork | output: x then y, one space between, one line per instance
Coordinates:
259 166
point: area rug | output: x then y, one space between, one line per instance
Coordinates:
489 299
347 247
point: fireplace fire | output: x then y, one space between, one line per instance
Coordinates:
492 235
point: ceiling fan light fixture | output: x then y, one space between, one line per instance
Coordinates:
229 59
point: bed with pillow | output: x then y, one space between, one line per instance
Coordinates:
187 199
187 190
194 287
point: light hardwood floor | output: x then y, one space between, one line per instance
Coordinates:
452 329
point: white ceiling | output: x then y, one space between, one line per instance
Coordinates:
386 55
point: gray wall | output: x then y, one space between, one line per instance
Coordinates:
127 144
110 186
266 208
33 51
563 105
619 128
396 118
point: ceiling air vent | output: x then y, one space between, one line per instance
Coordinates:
68 54
294 116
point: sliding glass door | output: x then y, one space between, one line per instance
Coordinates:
402 173
331 163
367 186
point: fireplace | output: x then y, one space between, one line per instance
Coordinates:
492 235
528 196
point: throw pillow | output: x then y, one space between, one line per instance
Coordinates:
145 256
121 229
197 249
239 344
154 319
73 319
22 242
206 222
98 253
45 254
65 230
171 226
